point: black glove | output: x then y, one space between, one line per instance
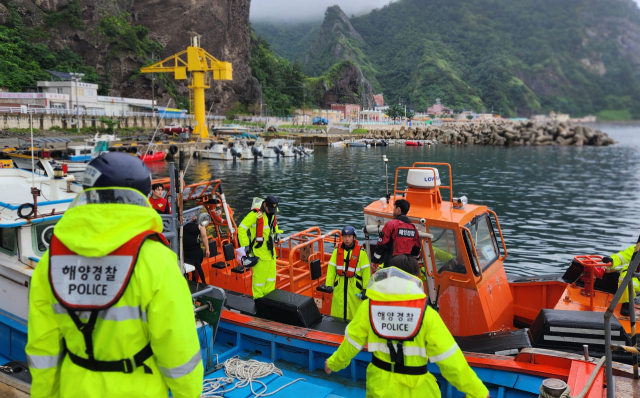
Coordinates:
325 289
607 259
363 294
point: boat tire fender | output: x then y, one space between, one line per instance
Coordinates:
25 206
173 149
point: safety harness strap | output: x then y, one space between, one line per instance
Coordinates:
127 365
397 368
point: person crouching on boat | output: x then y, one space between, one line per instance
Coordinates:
159 203
348 273
620 262
399 236
403 333
258 240
110 314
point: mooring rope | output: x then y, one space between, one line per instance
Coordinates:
247 372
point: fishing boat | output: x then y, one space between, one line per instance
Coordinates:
110 138
281 148
356 144
230 129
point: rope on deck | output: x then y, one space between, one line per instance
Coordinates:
247 372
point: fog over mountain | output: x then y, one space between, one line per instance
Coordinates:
306 10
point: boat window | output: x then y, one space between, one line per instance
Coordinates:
42 234
445 251
484 240
8 240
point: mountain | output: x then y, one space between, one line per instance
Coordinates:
513 57
289 41
111 40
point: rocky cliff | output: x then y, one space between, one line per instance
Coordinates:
84 27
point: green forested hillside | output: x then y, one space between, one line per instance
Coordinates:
289 41
513 57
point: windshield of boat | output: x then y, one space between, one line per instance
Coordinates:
445 251
484 240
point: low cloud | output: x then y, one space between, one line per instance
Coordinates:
305 10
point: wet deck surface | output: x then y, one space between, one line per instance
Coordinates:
628 388
12 388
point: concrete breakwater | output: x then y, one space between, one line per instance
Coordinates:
500 134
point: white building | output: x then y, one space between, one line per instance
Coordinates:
34 100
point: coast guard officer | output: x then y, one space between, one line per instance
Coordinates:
620 262
110 314
403 333
258 239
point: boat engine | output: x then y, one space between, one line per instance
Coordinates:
256 153
301 150
279 152
234 152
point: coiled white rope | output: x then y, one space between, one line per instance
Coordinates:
247 372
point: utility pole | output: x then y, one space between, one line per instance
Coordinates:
76 78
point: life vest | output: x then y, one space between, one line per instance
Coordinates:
353 261
400 321
92 284
260 227
404 237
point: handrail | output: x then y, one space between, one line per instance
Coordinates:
475 253
627 283
500 231
449 187
423 251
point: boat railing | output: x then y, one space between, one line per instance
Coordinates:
627 283
304 248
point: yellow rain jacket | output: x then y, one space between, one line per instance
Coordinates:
264 272
344 302
432 343
621 261
155 308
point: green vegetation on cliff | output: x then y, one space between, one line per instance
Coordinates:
512 57
24 61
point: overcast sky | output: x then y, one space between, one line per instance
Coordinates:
299 10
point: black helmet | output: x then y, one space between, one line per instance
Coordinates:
117 169
349 230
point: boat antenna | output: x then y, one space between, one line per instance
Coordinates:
156 130
33 162
386 172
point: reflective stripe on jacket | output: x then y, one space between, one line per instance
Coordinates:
155 308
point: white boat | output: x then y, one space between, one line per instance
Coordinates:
356 144
267 152
230 129
248 150
25 237
217 151
23 161
101 137
281 147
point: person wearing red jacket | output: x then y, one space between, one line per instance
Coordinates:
399 236
160 204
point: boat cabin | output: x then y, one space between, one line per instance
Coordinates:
462 258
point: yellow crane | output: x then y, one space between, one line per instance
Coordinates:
198 63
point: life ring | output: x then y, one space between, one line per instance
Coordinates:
24 206
173 149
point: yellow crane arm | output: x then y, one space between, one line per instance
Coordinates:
198 60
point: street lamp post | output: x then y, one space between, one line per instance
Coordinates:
77 77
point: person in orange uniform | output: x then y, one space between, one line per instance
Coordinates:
159 203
